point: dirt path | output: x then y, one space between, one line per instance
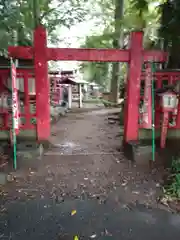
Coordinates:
84 171
88 148
86 160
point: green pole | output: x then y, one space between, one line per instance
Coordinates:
36 13
13 125
153 112
14 148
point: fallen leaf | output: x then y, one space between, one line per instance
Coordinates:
3 210
135 192
93 236
164 201
124 184
73 212
107 233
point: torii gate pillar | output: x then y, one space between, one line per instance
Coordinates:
131 115
41 83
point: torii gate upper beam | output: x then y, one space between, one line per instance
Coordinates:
85 54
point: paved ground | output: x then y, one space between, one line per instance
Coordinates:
86 172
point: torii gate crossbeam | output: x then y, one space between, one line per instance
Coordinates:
85 54
135 55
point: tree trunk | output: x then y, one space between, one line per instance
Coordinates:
36 13
117 43
174 54
169 31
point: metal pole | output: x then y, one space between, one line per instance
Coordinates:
153 112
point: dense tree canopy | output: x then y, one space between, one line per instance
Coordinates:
119 19
159 20
19 17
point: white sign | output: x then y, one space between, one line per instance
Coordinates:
15 110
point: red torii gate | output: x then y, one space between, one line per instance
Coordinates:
135 56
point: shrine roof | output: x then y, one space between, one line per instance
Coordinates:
73 81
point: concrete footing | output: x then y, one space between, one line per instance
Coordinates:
3 178
138 151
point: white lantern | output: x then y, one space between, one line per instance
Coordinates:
169 101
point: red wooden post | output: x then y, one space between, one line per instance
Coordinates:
133 88
42 84
147 104
164 129
158 79
178 115
26 99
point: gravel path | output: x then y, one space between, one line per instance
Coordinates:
86 172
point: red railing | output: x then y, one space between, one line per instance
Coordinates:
27 103
163 78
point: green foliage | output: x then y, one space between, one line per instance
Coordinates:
173 188
175 166
169 31
19 17
141 6
137 16
97 71
167 15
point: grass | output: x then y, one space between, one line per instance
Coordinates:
172 188
93 100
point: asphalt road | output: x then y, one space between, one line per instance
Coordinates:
44 219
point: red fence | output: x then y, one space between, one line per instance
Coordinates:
27 102
162 79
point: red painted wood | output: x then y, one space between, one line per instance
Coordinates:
26 100
133 88
178 116
154 55
42 84
15 102
73 54
22 73
79 54
20 52
164 128
147 99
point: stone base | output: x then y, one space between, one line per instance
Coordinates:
28 150
3 178
28 155
138 152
